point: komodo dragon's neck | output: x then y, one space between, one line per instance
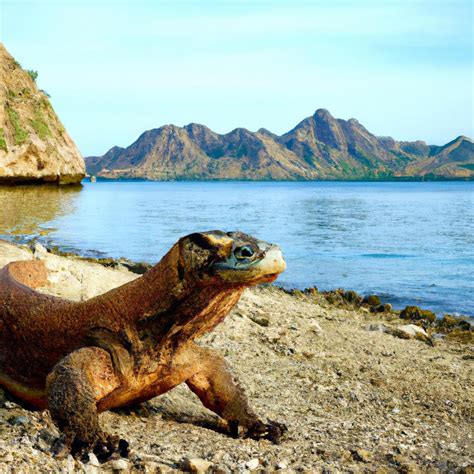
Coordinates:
152 293
162 302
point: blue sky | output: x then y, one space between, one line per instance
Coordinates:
116 68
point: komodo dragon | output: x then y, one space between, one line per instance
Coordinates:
133 343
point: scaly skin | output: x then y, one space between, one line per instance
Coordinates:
134 342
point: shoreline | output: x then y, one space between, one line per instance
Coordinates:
140 267
401 179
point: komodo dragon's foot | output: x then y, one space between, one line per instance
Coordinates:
105 448
272 431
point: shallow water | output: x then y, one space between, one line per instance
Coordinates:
412 243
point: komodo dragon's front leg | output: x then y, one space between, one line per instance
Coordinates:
73 388
217 389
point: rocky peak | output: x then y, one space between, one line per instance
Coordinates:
323 114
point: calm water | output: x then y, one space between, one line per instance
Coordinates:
412 243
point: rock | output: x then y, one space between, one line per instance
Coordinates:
372 300
461 335
414 313
8 458
315 327
408 331
135 267
219 470
378 327
45 440
34 146
404 465
411 331
70 465
252 464
91 469
447 321
10 405
93 461
361 455
352 297
116 465
261 320
281 465
18 420
39 251
196 465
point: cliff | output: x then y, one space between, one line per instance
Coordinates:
319 147
34 146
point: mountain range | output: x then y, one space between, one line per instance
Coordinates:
320 147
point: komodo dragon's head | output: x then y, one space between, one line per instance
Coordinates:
229 258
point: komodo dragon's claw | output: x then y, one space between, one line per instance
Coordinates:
272 431
104 449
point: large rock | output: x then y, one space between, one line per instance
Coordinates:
34 146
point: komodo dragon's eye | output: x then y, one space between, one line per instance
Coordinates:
241 253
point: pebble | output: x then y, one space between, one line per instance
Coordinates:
117 465
260 320
361 455
196 465
315 327
70 465
252 464
93 461
18 420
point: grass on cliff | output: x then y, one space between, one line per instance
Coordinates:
3 143
40 127
19 134
38 123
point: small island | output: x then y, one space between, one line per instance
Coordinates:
34 145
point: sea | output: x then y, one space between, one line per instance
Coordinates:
412 243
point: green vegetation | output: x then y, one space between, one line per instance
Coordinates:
39 123
414 313
19 134
3 143
40 127
372 300
32 74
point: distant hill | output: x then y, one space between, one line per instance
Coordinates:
319 147
34 146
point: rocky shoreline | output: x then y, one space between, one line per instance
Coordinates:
361 387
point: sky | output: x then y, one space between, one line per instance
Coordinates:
114 69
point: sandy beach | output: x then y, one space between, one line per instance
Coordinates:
355 396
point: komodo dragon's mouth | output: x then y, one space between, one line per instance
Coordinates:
263 270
